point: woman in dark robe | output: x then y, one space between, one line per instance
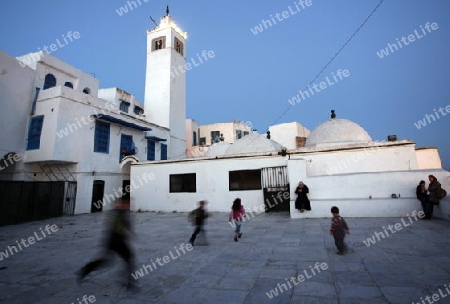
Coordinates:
302 202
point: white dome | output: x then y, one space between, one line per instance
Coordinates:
217 149
337 131
253 143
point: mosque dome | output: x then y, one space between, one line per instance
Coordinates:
253 143
337 131
217 149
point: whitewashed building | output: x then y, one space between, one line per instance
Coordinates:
340 164
64 130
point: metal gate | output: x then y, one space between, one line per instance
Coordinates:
275 183
22 201
70 198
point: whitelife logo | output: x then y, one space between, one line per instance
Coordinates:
31 240
33 57
265 24
394 228
323 85
391 48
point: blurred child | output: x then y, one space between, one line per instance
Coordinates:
200 215
117 241
338 230
237 215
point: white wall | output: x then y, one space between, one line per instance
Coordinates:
44 63
428 158
351 192
285 134
369 159
212 184
15 100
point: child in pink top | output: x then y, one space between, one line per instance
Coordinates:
237 215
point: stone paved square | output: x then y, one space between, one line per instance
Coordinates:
404 267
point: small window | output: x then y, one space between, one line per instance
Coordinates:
215 137
50 81
124 106
179 46
138 110
68 84
238 134
101 137
183 182
245 133
163 152
245 180
194 138
202 141
150 150
34 132
87 91
158 43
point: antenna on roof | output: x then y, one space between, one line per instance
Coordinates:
153 20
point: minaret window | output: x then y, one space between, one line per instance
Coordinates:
179 46
158 43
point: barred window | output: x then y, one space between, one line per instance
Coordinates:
101 137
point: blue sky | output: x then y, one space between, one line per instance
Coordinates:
252 77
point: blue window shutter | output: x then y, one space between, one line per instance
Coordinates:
163 152
101 137
150 150
126 142
34 133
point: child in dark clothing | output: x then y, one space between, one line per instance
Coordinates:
338 230
200 216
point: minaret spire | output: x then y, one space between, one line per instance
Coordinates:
167 11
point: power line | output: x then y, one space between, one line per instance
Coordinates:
329 61
335 55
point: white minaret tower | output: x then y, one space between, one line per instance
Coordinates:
165 82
